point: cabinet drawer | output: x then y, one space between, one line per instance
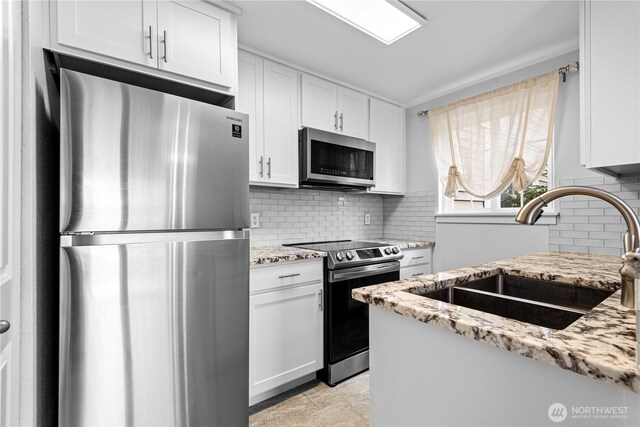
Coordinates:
273 276
415 257
408 272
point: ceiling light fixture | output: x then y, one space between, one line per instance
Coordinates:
385 20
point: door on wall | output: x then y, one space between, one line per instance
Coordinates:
9 206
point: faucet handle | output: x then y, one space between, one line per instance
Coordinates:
630 272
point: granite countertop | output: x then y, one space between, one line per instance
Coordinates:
279 253
599 345
404 244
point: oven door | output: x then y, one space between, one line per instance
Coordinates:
347 328
329 158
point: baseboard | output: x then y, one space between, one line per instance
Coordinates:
281 389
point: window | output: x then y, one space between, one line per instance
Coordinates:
493 150
508 202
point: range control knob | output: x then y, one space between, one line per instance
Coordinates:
387 251
349 255
339 256
395 250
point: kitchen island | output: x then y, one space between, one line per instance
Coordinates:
430 364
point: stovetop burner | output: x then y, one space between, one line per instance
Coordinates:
338 245
351 253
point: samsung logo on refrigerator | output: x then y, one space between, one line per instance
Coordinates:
234 119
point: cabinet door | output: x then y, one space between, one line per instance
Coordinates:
195 39
280 123
614 36
250 101
285 338
121 29
387 132
352 113
319 104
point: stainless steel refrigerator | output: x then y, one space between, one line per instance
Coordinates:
154 258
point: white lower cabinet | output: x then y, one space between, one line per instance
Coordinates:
416 262
285 326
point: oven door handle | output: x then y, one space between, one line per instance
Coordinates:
364 271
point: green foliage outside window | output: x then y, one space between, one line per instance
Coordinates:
511 199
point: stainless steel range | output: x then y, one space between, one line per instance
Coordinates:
350 265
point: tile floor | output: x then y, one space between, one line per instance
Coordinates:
316 404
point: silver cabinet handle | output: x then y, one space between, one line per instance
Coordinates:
4 326
320 302
164 43
150 43
341 121
335 120
417 274
284 276
261 166
417 257
269 168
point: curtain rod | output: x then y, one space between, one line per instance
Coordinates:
570 68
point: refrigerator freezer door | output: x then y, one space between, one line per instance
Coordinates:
155 334
133 159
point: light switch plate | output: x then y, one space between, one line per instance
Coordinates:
367 219
255 220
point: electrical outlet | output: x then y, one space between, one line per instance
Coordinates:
367 219
255 220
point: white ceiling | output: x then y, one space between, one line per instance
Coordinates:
463 43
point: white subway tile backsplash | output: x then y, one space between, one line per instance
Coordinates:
300 215
590 225
410 217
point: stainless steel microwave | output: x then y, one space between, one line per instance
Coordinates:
333 161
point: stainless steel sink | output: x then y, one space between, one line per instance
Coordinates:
549 304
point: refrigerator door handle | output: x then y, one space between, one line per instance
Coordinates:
97 239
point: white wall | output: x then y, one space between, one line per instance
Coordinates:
458 244
461 245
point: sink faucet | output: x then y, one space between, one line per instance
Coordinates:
532 211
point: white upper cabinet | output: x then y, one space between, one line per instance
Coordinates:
319 104
352 119
610 87
268 92
386 130
122 29
195 39
192 39
333 108
250 101
281 123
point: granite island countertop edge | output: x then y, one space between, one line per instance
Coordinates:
599 345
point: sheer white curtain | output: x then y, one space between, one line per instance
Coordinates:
484 143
